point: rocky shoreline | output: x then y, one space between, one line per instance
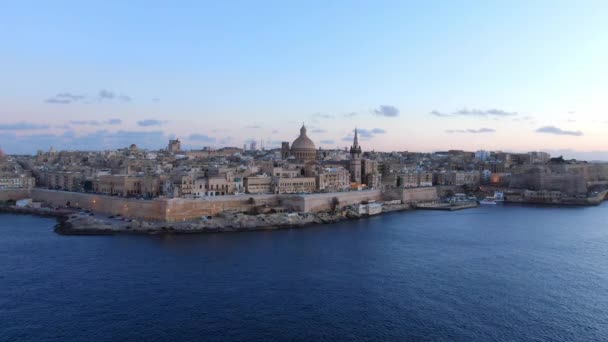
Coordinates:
78 222
42 212
73 222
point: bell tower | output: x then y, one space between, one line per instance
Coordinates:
355 160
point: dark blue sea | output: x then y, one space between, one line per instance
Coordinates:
499 273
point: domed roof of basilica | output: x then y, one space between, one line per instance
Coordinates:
303 142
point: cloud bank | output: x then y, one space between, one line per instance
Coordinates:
475 112
21 126
471 130
65 98
95 122
201 138
102 95
150 122
70 140
105 94
364 134
386 111
558 131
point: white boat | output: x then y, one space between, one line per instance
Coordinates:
499 196
488 201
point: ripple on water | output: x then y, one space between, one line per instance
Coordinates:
500 273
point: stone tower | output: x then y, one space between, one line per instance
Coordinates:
285 150
355 160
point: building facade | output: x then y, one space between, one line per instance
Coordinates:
174 146
213 186
257 185
17 182
333 179
294 185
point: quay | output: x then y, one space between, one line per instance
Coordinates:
446 206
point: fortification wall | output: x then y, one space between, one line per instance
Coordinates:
597 172
449 190
14 194
416 195
152 210
590 172
413 195
392 194
323 202
568 183
179 209
293 202
525 181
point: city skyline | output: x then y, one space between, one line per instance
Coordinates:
417 77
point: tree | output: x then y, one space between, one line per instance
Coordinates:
251 202
88 186
335 203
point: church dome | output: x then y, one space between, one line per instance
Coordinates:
303 149
303 142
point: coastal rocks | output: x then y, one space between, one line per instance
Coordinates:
395 207
229 221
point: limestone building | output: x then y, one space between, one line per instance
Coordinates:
294 185
257 184
333 179
284 150
174 146
8 181
213 186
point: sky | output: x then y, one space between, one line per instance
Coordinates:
411 76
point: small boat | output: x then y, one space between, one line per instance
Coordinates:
488 201
499 196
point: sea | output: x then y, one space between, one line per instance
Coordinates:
493 273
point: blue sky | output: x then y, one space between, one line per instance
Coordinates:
416 76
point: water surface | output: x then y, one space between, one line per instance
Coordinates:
491 273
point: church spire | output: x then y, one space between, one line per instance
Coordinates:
355 150
355 159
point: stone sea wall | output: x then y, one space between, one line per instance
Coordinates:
413 195
178 209
420 195
152 210
186 209
14 194
323 202
160 209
